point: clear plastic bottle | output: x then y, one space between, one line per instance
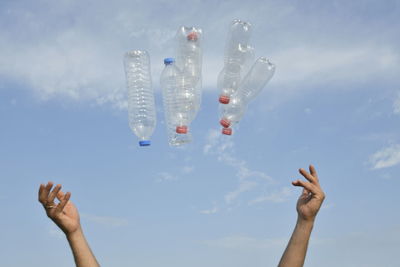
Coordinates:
255 80
141 107
238 53
176 120
239 32
189 51
189 60
258 76
232 113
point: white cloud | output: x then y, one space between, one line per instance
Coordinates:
210 211
165 176
386 157
282 195
105 220
323 64
75 51
223 148
244 186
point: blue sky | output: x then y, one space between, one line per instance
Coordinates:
334 101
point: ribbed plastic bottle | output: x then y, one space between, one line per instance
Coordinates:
258 76
189 60
238 53
141 107
176 121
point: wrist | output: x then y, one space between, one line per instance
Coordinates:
305 223
78 233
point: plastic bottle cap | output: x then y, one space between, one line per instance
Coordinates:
227 131
144 143
181 129
169 60
224 122
192 36
224 99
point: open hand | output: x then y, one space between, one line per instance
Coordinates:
64 214
312 196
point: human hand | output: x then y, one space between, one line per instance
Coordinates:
64 214
312 196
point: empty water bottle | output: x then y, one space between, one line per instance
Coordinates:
176 120
255 80
232 113
141 107
238 53
189 61
189 51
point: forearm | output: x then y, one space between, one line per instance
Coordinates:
83 256
296 249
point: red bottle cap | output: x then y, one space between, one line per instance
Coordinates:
192 36
227 131
224 99
181 129
225 123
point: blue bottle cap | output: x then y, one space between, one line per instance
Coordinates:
169 60
144 143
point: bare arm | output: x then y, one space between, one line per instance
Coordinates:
65 215
308 206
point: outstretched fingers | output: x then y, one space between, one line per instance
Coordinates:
63 201
60 195
309 187
53 194
313 172
315 190
308 176
44 192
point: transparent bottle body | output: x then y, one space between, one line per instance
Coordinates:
189 60
141 105
237 57
239 32
232 112
173 109
255 80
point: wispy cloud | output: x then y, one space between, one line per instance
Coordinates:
386 157
222 148
105 220
244 186
323 64
213 210
282 195
75 51
166 177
